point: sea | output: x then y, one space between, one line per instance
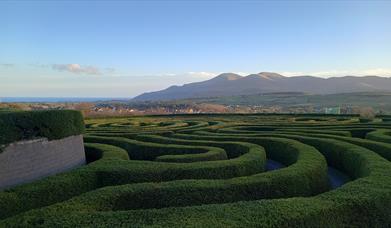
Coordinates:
59 99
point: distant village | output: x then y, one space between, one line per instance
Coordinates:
156 108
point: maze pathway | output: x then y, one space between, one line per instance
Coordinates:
219 171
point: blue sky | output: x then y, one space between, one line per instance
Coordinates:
121 49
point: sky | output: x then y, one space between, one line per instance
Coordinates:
124 48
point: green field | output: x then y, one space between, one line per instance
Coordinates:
379 101
217 171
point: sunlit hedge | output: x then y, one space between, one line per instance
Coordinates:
211 170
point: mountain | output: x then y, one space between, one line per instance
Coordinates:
229 84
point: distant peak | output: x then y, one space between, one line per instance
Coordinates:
227 76
265 75
270 75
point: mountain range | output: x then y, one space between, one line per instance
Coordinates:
230 84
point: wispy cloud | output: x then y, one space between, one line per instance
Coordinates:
77 69
383 72
202 74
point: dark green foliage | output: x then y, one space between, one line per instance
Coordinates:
293 181
209 170
16 126
96 151
381 135
360 132
160 152
113 169
341 133
311 119
365 120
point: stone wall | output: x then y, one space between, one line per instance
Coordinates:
29 160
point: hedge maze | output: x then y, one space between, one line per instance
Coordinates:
55 124
218 171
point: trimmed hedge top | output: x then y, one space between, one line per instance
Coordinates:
53 124
161 172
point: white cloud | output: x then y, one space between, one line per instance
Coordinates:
167 74
379 72
77 69
383 72
203 74
241 73
291 74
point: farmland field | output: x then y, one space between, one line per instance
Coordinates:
218 171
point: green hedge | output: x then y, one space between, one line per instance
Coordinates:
160 152
55 124
296 180
234 191
59 187
381 135
115 169
365 120
95 151
331 132
363 202
383 149
112 172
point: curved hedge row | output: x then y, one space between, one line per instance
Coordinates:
55 124
108 171
304 178
383 149
363 202
381 135
213 170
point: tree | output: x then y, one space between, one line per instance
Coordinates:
367 113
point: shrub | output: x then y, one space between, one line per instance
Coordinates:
381 135
114 169
16 126
209 170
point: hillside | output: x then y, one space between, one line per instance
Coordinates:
291 102
229 84
373 99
